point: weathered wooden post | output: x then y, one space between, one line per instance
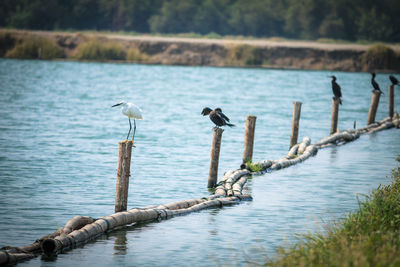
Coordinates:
391 100
373 107
334 115
215 148
295 123
123 173
249 138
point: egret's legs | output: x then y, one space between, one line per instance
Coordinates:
134 128
130 127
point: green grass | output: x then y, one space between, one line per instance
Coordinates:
102 50
253 167
368 237
32 47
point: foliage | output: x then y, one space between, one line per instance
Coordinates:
368 237
253 167
97 49
135 55
7 41
374 20
31 47
380 56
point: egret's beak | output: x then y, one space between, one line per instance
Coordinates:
116 105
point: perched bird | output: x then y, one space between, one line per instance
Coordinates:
336 89
374 83
217 117
131 111
393 80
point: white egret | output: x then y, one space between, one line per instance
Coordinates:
131 111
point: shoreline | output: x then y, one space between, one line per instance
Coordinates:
186 51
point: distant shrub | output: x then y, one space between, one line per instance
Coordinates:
7 41
380 56
97 49
31 47
135 55
243 55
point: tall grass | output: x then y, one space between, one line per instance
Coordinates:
135 55
96 49
368 237
32 47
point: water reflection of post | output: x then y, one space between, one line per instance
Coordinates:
120 242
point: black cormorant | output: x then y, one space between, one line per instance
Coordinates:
393 80
336 89
374 83
217 117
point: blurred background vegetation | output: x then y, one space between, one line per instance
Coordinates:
352 20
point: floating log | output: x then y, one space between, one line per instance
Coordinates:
123 173
295 123
373 107
90 231
249 138
303 145
215 148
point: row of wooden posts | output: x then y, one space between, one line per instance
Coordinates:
125 148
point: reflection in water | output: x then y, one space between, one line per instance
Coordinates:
120 242
333 154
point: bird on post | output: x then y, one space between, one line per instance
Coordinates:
217 117
393 80
336 89
131 111
374 83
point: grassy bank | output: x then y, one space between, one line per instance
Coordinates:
368 237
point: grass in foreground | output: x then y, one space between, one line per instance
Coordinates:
367 237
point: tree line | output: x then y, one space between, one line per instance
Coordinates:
372 20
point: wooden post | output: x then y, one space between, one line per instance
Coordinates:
123 173
335 115
249 138
215 148
391 100
295 123
373 107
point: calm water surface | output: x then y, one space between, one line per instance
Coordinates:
59 144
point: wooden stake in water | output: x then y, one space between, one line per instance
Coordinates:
391 100
373 107
295 123
215 148
249 138
334 115
123 173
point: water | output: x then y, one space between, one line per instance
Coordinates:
59 143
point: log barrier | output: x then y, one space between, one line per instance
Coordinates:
373 107
215 148
391 100
123 173
334 114
229 191
249 138
295 123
